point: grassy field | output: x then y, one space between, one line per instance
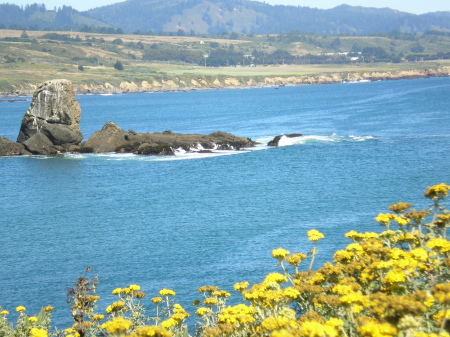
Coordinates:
36 58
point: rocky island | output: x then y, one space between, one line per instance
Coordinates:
51 127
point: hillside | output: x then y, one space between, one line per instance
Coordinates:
193 17
243 16
131 63
37 17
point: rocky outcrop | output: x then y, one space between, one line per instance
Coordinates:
192 82
51 124
112 138
10 148
276 140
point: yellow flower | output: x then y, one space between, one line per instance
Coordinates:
419 254
4 312
400 220
280 253
48 308
156 299
134 287
240 286
275 277
98 317
282 333
295 259
275 323
117 325
116 306
437 191
202 311
32 319
168 323
351 298
354 247
373 329
439 244
20 308
210 301
395 276
429 301
167 292
384 217
291 292
335 322
36 332
237 314
316 329
342 289
151 331
314 235
117 291
399 207
221 293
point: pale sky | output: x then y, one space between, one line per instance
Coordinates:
411 6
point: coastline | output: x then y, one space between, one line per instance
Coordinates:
193 82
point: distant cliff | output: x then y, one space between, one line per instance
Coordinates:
195 82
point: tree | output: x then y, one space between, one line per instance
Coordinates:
24 35
118 65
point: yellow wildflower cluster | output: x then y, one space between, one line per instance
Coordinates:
20 308
437 191
280 253
167 292
36 332
241 286
151 331
314 235
115 307
117 326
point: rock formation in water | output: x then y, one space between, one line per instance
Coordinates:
51 123
112 138
10 148
276 140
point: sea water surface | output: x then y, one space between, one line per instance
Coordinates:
187 221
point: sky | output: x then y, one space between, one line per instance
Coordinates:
411 6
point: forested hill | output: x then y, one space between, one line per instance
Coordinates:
242 16
187 17
37 17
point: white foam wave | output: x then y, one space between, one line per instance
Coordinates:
287 141
199 155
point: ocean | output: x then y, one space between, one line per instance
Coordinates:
213 219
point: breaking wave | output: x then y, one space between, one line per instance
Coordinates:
334 138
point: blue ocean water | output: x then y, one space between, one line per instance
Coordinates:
213 220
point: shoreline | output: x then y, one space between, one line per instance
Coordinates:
174 84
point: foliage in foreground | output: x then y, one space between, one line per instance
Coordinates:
395 283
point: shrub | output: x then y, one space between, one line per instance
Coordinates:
118 65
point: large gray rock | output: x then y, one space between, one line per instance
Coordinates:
51 123
112 138
10 148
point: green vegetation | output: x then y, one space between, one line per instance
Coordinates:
390 284
26 59
191 17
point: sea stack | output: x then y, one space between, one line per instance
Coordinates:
51 123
